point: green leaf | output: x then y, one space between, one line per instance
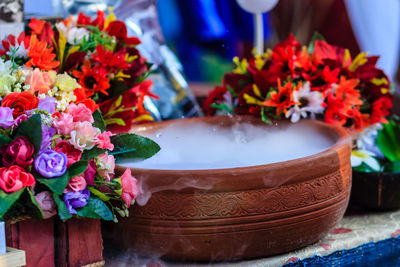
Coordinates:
33 208
96 209
7 200
316 36
393 167
98 120
388 140
92 153
62 208
77 168
133 146
56 184
32 129
4 140
99 194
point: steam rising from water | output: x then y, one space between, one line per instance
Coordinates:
203 146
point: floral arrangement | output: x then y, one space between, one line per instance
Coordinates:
320 81
378 148
80 60
64 90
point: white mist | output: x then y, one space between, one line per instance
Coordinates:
202 146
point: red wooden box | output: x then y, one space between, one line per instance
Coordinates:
51 242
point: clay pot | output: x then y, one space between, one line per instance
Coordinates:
376 190
239 216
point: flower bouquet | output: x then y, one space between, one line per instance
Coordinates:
321 81
324 82
98 64
65 90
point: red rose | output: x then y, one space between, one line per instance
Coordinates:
18 152
15 178
73 154
20 102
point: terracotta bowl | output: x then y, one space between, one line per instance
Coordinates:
239 216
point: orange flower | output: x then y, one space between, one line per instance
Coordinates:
92 79
348 93
41 56
283 99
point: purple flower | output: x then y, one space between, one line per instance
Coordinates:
51 164
6 117
48 104
47 135
74 200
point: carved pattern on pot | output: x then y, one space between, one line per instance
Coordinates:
213 205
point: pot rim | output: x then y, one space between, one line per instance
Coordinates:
342 135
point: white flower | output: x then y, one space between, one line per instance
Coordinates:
367 140
228 102
73 34
7 78
362 156
309 101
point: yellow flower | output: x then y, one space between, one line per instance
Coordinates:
66 83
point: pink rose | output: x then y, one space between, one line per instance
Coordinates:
38 81
46 203
103 140
129 187
73 154
105 166
84 135
15 178
18 152
76 184
64 124
80 112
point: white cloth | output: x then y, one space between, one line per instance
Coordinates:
376 25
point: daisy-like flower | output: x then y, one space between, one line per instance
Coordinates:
359 157
282 99
306 101
92 79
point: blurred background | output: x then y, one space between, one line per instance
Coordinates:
206 34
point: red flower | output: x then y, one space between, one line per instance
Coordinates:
381 108
73 154
92 79
11 42
110 59
120 113
86 20
283 99
118 30
20 102
141 91
42 29
41 56
214 96
18 152
15 178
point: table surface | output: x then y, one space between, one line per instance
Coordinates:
355 230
